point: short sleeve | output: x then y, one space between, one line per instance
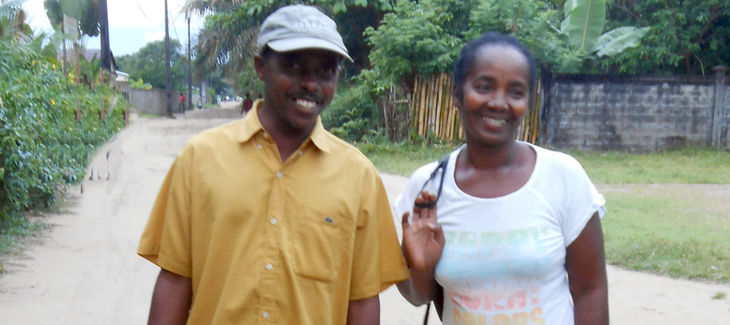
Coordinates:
582 201
377 258
404 201
166 238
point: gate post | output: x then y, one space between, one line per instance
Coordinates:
718 106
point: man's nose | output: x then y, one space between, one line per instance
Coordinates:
308 80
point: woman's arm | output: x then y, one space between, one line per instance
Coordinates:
586 265
170 299
423 242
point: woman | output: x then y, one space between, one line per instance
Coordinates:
512 220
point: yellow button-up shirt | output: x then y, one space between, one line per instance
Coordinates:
267 242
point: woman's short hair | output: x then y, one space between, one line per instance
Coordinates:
468 53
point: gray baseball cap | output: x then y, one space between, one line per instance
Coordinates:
298 27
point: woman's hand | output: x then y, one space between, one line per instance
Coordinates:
423 238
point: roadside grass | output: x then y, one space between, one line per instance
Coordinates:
403 159
692 165
649 231
647 228
148 115
14 231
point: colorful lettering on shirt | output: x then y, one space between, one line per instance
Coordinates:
497 273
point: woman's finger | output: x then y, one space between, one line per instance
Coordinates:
404 220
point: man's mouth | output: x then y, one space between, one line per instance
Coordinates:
306 104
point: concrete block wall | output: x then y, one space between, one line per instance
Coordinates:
154 101
631 114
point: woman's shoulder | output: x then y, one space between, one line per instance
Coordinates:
554 159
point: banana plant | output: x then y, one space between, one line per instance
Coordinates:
583 26
12 17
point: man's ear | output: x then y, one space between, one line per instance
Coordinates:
258 64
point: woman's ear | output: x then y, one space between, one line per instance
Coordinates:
456 96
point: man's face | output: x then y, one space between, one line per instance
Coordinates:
298 86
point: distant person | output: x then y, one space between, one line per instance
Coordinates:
247 104
182 102
516 235
271 219
199 104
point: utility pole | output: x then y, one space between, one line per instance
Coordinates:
106 60
167 64
190 69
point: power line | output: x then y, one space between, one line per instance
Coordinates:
173 25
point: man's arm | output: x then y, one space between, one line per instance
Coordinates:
170 299
586 265
364 312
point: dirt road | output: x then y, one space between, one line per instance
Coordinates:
84 270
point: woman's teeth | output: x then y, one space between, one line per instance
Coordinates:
306 104
493 122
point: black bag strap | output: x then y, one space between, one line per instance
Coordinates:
442 163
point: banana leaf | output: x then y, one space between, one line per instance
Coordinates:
584 22
619 39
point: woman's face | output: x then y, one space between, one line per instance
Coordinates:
495 95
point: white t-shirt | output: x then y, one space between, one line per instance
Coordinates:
504 258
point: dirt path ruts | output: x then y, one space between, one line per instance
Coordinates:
84 270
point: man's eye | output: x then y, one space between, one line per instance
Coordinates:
328 72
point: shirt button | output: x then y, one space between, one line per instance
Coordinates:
269 266
299 153
274 221
265 314
259 146
279 174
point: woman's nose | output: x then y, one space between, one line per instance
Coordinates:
498 101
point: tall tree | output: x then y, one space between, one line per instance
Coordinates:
229 36
688 37
148 64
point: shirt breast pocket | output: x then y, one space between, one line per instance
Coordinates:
319 244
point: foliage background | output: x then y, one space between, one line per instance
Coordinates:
43 147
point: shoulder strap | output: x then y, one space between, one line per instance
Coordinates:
442 163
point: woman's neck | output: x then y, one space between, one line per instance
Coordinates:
484 157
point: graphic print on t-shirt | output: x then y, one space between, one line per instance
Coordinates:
494 276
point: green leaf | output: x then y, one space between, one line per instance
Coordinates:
585 22
339 7
619 39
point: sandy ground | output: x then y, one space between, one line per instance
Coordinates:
84 270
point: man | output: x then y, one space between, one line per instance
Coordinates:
271 219
182 102
247 104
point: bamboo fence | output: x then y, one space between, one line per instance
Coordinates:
434 115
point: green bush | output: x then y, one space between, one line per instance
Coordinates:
353 113
43 147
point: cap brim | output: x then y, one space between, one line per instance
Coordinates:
294 44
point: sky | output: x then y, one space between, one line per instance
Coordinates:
132 23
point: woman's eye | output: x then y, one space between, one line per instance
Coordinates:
483 87
517 93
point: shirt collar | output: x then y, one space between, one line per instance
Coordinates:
252 125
